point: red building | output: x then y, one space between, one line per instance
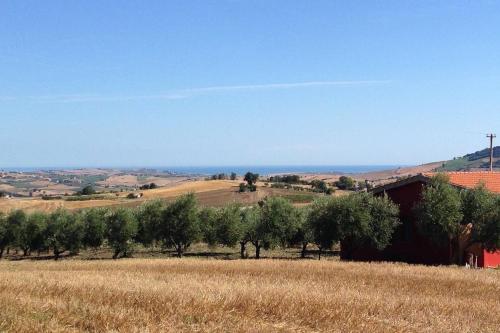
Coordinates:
408 244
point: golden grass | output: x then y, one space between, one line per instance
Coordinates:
148 295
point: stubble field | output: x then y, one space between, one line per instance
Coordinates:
152 295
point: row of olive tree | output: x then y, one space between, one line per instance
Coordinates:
275 222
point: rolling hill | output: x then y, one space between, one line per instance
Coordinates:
474 161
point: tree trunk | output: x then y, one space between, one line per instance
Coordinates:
115 255
1 252
304 249
242 250
179 251
56 253
8 250
257 249
319 253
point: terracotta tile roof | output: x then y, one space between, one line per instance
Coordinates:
471 179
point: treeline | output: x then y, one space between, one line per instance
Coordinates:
483 154
317 185
359 218
223 176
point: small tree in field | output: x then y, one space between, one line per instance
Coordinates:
233 176
149 217
94 227
251 179
15 221
303 234
64 232
278 221
346 183
208 225
271 224
180 224
481 209
228 229
323 223
440 214
121 230
87 190
365 220
250 221
31 231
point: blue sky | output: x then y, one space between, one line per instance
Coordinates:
169 83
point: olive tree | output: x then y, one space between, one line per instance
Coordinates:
228 229
15 220
480 210
303 233
64 232
31 233
94 227
149 217
440 213
250 233
179 226
366 220
323 223
208 225
251 179
121 229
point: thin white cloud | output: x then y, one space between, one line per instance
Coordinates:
186 93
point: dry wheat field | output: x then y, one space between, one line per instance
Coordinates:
172 295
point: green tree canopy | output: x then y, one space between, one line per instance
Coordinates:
323 221
94 227
63 232
251 179
31 233
208 225
440 212
481 209
149 218
346 183
87 190
121 230
228 228
180 224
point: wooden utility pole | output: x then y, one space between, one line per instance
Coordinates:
491 136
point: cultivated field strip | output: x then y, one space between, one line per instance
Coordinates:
142 295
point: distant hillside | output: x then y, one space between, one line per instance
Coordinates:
475 161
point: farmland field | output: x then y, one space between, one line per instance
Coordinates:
191 294
208 193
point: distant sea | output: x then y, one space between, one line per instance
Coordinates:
280 169
240 170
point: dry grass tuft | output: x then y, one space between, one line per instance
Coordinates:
245 295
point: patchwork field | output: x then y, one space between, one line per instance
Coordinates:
209 193
152 295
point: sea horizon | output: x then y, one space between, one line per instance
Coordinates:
238 169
